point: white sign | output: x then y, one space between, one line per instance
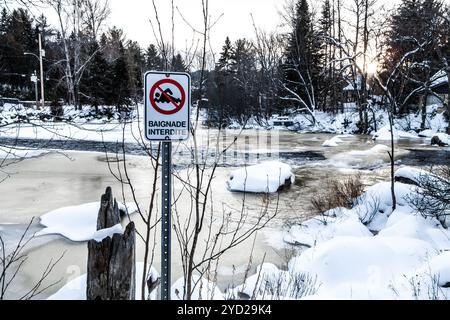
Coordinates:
167 106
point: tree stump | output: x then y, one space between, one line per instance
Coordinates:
111 270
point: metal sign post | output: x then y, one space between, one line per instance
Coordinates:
167 119
166 218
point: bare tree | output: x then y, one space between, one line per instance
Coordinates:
72 15
13 258
94 14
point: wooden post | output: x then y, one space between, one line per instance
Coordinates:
111 270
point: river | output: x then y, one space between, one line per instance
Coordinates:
78 173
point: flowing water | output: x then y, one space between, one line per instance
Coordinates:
66 178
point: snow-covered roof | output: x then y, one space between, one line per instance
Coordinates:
439 78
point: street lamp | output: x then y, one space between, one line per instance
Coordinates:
40 58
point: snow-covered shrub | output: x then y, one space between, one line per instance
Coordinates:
433 195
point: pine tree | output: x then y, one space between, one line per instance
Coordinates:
120 93
300 65
153 60
178 64
135 66
96 86
225 57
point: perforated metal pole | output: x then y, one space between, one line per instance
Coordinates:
166 219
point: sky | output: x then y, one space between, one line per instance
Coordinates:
234 19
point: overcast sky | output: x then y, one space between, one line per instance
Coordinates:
235 21
133 16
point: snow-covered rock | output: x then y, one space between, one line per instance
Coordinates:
410 175
334 142
441 139
79 223
384 134
267 177
76 288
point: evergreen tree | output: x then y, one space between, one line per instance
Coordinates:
135 66
120 91
178 64
153 60
300 65
96 86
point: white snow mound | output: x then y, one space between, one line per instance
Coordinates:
266 177
79 223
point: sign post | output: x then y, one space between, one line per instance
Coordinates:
167 119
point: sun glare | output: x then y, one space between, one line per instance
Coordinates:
372 68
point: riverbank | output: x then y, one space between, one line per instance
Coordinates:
56 180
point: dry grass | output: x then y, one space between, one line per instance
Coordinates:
338 193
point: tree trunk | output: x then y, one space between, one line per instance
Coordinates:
111 271
392 158
448 100
424 112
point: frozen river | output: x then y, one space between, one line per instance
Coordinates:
73 177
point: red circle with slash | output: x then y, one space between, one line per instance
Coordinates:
157 87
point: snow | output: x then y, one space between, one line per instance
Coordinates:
379 148
369 251
271 283
334 142
384 134
9 152
203 289
413 174
445 138
76 288
440 267
79 223
266 177
325 228
439 78
361 268
429 133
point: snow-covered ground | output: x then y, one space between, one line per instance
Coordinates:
76 288
367 252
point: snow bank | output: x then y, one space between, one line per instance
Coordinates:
324 228
79 223
361 268
7 152
76 288
267 177
203 289
427 133
384 134
370 251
